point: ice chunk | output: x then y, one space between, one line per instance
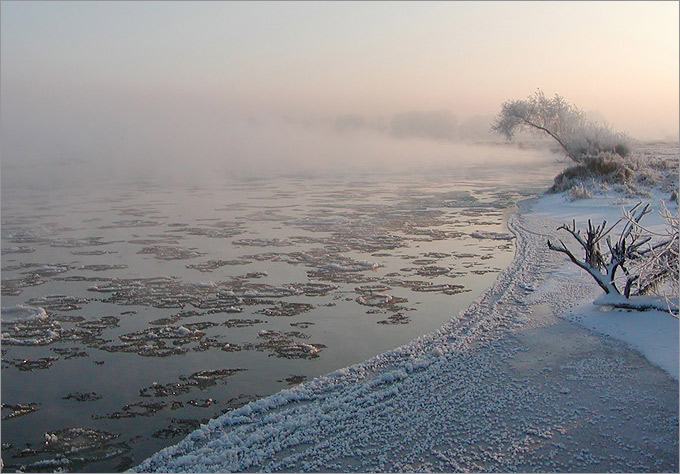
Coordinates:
22 312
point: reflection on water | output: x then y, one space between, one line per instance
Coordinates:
134 310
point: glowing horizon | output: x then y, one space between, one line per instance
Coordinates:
69 67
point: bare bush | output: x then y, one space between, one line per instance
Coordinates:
638 263
658 272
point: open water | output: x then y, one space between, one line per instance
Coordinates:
166 303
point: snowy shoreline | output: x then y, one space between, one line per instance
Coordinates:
508 384
653 333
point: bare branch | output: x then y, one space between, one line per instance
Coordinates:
597 276
646 265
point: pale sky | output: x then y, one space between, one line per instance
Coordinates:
79 74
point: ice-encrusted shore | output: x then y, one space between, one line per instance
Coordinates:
513 383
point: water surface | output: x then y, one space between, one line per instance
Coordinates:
169 303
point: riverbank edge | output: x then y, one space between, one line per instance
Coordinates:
482 321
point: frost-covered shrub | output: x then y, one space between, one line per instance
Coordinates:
638 263
656 171
631 189
590 140
659 271
605 168
578 137
579 191
622 149
648 167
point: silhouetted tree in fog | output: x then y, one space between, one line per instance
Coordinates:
562 121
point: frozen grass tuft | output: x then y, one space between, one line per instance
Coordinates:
650 167
605 168
579 191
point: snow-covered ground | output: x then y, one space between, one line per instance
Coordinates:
510 384
654 333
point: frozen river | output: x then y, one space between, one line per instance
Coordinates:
135 309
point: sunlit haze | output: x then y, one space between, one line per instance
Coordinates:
315 236
314 81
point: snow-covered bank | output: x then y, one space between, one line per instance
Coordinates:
506 385
654 333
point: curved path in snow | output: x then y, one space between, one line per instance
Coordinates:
507 385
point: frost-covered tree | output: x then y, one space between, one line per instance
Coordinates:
578 137
633 266
659 270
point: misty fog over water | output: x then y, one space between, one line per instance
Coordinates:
204 203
